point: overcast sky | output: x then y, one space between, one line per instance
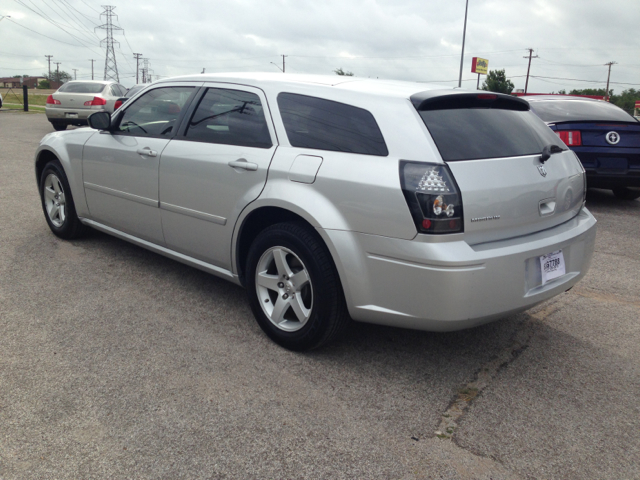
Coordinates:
417 40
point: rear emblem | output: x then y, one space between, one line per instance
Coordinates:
542 170
612 138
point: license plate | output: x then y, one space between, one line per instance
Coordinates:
552 266
71 115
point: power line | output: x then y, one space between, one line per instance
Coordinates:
50 38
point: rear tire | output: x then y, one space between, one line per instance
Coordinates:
57 202
626 193
59 126
293 287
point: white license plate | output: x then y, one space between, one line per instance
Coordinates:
71 115
552 266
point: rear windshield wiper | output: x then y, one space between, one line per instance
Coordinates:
549 150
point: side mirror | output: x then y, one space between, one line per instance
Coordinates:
100 120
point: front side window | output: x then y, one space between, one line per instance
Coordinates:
230 117
321 124
155 113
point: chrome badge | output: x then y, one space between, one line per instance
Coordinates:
612 138
542 170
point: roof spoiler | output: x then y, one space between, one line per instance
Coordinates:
448 99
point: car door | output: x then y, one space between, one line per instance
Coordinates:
216 165
120 167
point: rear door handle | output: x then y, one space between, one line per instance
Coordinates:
147 152
244 165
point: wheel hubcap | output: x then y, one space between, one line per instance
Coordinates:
284 289
54 200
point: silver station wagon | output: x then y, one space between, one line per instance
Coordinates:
333 198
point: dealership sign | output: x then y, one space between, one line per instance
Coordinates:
479 65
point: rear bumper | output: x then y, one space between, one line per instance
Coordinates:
70 116
451 285
599 179
610 167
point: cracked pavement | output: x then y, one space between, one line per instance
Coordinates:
119 363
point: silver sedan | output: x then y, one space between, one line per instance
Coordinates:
74 101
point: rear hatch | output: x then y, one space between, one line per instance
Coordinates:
492 145
74 95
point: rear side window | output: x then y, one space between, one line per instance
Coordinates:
476 133
322 124
230 117
579 110
81 87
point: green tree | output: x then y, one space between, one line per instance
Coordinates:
626 100
339 71
44 84
496 81
58 76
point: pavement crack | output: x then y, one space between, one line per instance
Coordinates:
484 376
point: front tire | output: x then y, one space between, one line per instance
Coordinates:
293 287
626 193
57 202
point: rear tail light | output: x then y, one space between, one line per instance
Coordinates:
570 137
95 101
117 104
52 101
432 196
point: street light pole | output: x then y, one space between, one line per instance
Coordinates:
464 34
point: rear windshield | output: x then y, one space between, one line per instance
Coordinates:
554 111
321 124
476 133
81 87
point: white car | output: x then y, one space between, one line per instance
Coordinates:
330 198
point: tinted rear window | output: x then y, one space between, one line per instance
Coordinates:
322 124
578 110
81 87
476 133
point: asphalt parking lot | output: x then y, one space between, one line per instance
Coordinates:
119 363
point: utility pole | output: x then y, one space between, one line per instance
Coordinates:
110 64
57 71
145 69
464 34
137 56
526 84
283 57
91 60
75 77
606 94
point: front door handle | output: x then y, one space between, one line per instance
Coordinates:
147 151
243 164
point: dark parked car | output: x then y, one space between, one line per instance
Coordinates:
130 93
605 138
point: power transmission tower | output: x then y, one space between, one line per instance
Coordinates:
145 69
526 84
110 64
57 71
137 56
606 93
49 57
91 60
